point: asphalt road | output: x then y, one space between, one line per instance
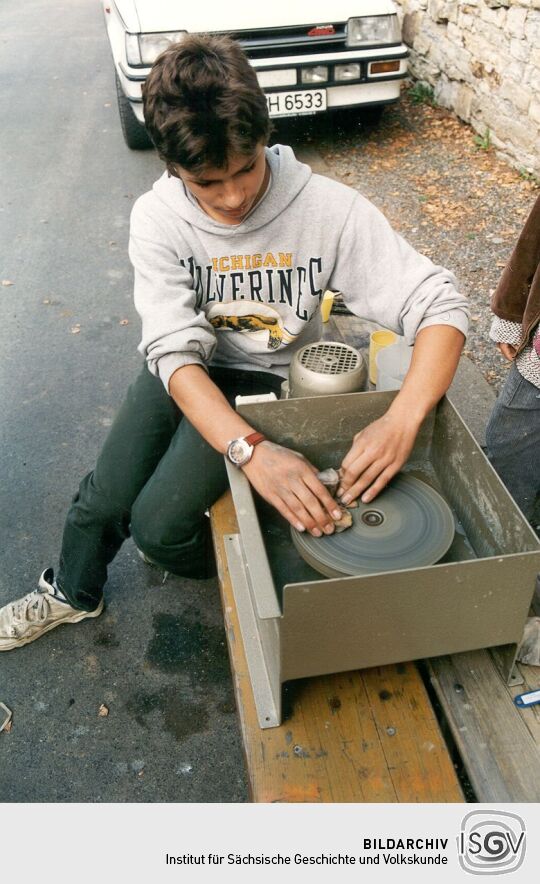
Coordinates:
157 657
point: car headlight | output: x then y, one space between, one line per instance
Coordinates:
369 29
318 74
347 72
145 48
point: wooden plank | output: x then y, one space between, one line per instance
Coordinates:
415 751
366 736
531 716
499 743
498 748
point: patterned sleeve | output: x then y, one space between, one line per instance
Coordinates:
505 332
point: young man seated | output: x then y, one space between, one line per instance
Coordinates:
232 251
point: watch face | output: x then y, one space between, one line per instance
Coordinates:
239 451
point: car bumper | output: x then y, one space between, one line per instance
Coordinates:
285 72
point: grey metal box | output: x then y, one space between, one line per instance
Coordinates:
296 623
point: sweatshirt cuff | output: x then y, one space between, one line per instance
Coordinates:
503 331
167 365
456 318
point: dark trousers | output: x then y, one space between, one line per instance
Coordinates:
154 479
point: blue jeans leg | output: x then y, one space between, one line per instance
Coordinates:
513 440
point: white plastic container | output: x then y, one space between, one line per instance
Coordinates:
379 339
393 364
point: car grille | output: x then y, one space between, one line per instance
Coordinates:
290 41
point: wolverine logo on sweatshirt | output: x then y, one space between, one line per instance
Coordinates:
251 323
238 317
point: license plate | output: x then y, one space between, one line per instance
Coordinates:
288 104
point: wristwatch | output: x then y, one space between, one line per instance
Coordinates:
240 451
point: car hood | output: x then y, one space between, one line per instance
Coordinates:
215 15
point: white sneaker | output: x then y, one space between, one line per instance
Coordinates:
29 618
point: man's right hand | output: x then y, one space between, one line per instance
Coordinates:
289 483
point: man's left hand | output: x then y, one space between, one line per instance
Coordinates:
378 452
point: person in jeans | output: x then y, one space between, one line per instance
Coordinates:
513 430
232 250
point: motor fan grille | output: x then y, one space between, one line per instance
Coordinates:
330 359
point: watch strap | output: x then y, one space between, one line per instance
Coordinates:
255 438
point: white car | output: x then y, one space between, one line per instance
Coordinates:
310 57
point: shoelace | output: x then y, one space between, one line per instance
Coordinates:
35 601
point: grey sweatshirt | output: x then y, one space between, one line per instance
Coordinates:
248 295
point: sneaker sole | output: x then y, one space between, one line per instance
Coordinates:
83 615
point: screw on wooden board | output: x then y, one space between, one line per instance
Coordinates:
391 731
300 752
458 688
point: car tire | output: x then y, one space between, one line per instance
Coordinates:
135 134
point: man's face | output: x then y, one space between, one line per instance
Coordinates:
228 194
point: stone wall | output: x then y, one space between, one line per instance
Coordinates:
482 58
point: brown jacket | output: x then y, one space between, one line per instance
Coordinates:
517 296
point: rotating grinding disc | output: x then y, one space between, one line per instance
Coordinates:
407 526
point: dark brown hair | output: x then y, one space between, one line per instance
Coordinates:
203 104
